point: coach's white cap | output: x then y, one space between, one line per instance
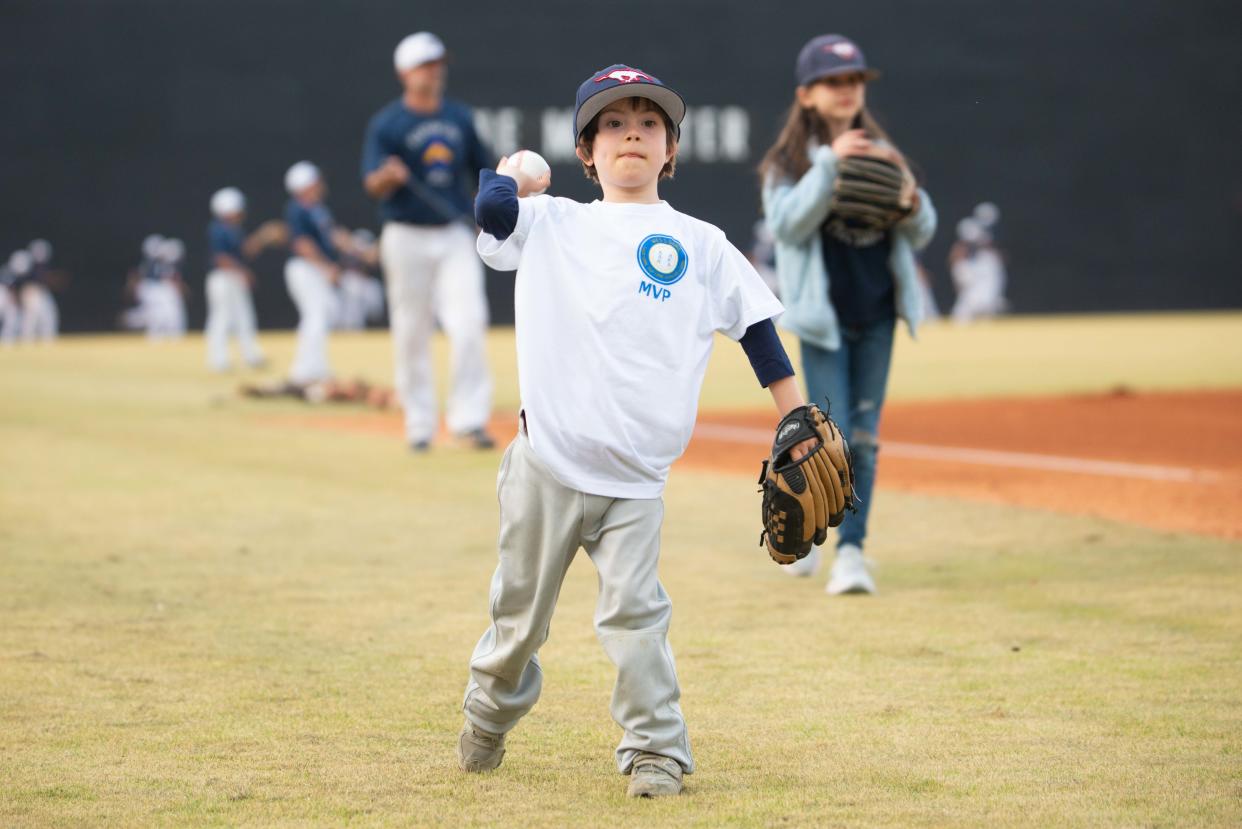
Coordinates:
300 176
226 202
417 49
40 251
20 262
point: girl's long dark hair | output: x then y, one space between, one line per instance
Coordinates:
788 159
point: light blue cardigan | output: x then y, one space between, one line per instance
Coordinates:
795 212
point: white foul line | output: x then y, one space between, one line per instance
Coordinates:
989 457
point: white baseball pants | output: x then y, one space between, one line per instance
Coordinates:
542 525
312 293
165 309
230 311
10 316
40 316
360 298
434 274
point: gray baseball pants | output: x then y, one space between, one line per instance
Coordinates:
542 525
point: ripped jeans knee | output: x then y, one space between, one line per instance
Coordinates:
864 445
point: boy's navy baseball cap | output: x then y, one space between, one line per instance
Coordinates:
828 55
620 81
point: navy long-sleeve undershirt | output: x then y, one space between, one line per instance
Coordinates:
496 205
766 354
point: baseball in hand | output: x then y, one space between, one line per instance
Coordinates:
532 164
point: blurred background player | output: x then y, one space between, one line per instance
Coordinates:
230 306
978 272
40 316
15 269
844 285
166 292
312 271
988 215
421 159
138 284
360 295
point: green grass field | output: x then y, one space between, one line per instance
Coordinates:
210 617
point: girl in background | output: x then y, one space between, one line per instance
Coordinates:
843 286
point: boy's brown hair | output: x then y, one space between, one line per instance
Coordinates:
586 141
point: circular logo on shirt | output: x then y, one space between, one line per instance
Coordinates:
662 258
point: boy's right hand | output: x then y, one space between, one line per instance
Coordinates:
526 183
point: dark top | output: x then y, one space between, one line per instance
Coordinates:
860 282
443 153
223 238
314 223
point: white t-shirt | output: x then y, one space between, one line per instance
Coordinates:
616 310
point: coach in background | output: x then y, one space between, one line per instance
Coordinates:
421 160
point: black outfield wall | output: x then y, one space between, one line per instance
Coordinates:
1107 131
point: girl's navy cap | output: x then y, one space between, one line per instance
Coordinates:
620 81
829 55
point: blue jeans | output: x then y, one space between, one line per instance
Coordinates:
854 378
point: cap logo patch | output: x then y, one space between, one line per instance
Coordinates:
845 51
626 76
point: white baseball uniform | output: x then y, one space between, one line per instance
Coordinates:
310 286
230 307
430 264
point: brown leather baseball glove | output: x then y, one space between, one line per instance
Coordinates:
802 498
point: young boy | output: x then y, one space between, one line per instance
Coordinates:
617 304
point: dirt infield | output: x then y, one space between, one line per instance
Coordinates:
1169 460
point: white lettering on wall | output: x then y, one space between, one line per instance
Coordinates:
715 134
709 134
557 140
500 129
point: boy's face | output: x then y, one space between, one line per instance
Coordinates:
631 147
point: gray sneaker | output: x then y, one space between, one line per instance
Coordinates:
654 775
479 750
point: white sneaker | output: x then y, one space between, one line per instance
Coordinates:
850 573
805 566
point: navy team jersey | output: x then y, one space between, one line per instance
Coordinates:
444 155
223 238
314 223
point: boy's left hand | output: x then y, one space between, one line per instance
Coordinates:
803 497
